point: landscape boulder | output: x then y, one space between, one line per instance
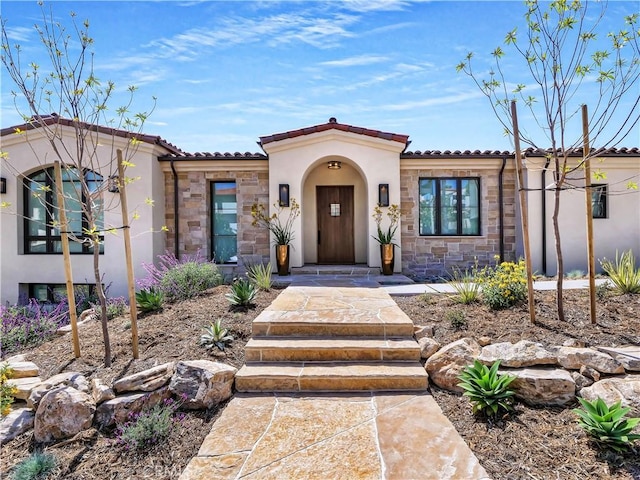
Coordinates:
62 412
18 421
70 379
628 356
624 389
428 346
542 386
573 358
446 364
100 391
118 410
24 386
421 331
201 384
147 380
23 369
516 355
581 380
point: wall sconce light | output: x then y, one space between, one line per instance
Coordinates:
383 194
283 195
3 185
335 165
113 184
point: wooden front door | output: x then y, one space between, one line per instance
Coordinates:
335 224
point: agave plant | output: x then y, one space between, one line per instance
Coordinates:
242 293
149 300
215 336
488 391
607 425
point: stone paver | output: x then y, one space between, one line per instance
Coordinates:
334 436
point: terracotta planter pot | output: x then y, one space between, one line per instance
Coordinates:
282 259
387 258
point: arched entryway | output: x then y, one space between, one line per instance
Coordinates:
334 213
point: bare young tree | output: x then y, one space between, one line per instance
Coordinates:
66 95
562 56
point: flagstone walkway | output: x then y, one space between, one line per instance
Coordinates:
333 389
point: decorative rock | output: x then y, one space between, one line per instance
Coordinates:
70 379
573 358
574 342
23 369
521 354
447 363
428 346
628 356
63 412
581 380
117 410
147 380
542 386
623 389
484 341
589 372
421 331
16 358
202 383
101 392
24 386
18 421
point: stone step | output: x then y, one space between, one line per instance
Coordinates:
331 323
325 349
359 270
331 377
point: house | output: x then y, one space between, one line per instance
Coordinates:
457 207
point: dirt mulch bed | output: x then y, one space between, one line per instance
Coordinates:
534 443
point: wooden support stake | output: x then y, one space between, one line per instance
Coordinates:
133 310
64 238
587 183
524 217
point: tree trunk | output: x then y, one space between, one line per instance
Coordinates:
103 302
560 262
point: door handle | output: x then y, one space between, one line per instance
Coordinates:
318 237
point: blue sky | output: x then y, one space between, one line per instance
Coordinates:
225 73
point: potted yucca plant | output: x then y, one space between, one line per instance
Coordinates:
385 237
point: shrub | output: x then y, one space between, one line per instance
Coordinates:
466 286
575 274
607 425
148 427
260 275
242 294
7 390
31 324
504 285
215 336
623 273
488 391
116 307
181 279
149 300
457 318
37 466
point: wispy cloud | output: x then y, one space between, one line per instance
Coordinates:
374 5
19 34
356 61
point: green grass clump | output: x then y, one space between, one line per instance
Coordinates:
623 273
260 275
37 466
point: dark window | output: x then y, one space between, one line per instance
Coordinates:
449 206
599 200
225 222
41 228
56 292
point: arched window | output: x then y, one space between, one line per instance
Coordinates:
41 216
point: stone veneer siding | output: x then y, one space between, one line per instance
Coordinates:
430 257
195 212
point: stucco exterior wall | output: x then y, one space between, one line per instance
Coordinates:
430 257
30 152
194 207
293 161
620 231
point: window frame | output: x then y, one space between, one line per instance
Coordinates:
50 239
602 187
51 289
214 235
459 207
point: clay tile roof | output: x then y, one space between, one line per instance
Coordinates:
54 119
333 124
